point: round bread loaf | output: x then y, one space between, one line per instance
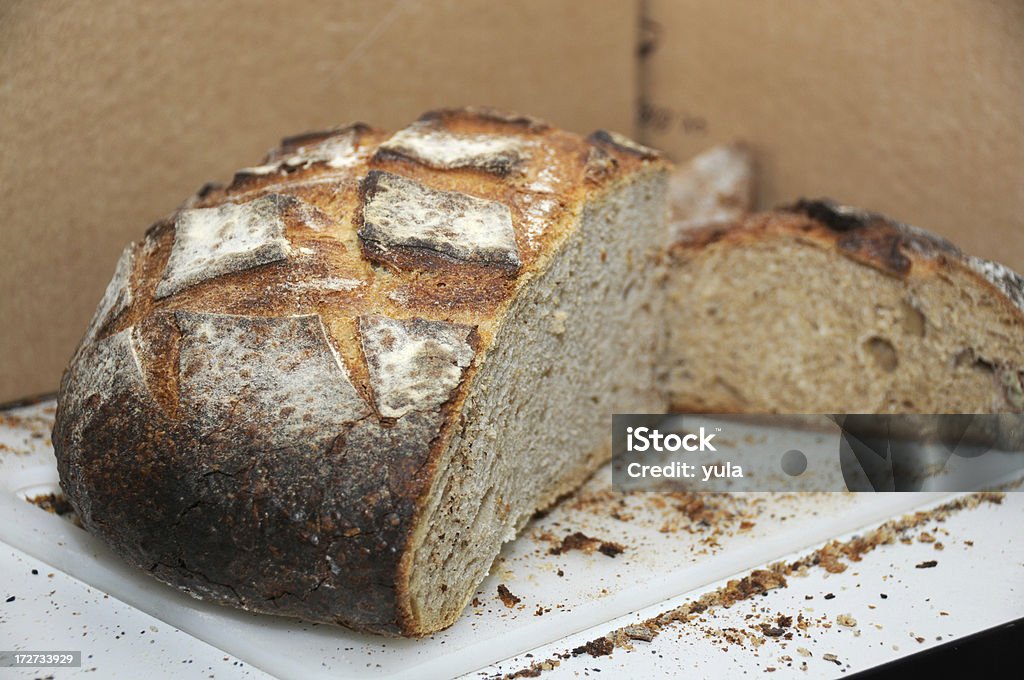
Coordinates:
333 388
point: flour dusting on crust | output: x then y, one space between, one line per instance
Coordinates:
107 370
336 152
443 149
211 242
278 380
118 295
1002 277
337 148
401 213
414 364
329 283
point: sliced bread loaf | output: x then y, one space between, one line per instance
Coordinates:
820 308
335 387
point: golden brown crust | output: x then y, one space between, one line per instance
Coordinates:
237 510
489 116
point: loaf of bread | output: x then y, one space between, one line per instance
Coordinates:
335 387
821 308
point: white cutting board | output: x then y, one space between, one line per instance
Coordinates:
593 589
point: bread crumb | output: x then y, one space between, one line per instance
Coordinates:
602 646
639 632
580 541
557 325
760 581
506 596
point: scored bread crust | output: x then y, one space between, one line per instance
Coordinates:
257 410
873 240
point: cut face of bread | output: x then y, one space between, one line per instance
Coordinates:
537 417
824 309
335 387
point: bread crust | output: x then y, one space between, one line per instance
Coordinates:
269 426
891 247
872 240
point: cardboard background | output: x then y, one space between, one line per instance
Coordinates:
911 108
112 113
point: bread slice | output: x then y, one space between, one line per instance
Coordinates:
335 387
820 308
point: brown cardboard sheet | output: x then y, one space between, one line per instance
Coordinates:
112 113
912 108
